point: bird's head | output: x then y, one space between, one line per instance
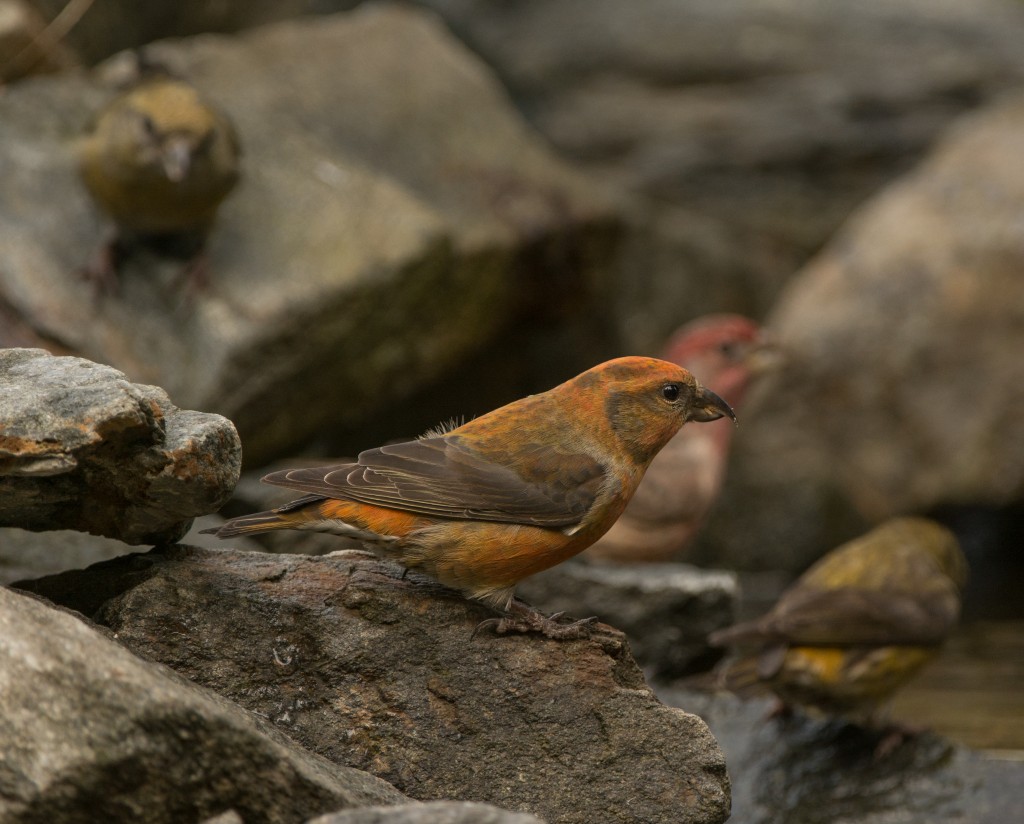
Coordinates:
646 401
162 128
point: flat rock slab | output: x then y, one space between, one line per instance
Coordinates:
394 214
433 812
666 610
802 770
82 447
383 673
92 733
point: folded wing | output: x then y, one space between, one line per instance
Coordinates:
849 617
445 477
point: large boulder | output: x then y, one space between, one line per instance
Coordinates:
384 673
93 733
750 129
81 447
395 214
903 386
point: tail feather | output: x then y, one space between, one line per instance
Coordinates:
248 524
742 676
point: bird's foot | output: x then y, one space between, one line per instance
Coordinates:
781 711
523 619
894 735
194 279
102 272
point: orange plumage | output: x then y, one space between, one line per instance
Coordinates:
726 353
508 494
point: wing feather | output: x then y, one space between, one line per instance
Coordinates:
445 477
850 617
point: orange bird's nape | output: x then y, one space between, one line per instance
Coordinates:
507 494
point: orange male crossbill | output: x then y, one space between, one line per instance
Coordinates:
159 160
859 623
725 352
508 494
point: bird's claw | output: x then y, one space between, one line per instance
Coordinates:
102 272
893 737
490 622
533 621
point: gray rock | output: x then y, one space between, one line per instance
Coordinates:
83 448
433 812
384 673
816 771
92 733
25 554
666 610
395 213
903 388
750 129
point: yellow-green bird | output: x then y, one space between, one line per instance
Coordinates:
159 160
858 624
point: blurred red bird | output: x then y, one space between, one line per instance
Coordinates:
726 352
508 494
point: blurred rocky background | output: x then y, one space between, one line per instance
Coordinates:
444 206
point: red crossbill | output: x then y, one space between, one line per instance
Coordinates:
725 352
505 495
159 160
858 624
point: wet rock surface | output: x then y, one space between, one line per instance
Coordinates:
383 673
665 610
375 240
93 733
814 771
81 447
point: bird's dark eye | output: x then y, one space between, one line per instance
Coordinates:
728 348
670 391
206 143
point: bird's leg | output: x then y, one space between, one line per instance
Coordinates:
524 618
195 276
780 711
104 269
894 735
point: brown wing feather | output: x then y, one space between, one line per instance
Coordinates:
445 477
849 617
